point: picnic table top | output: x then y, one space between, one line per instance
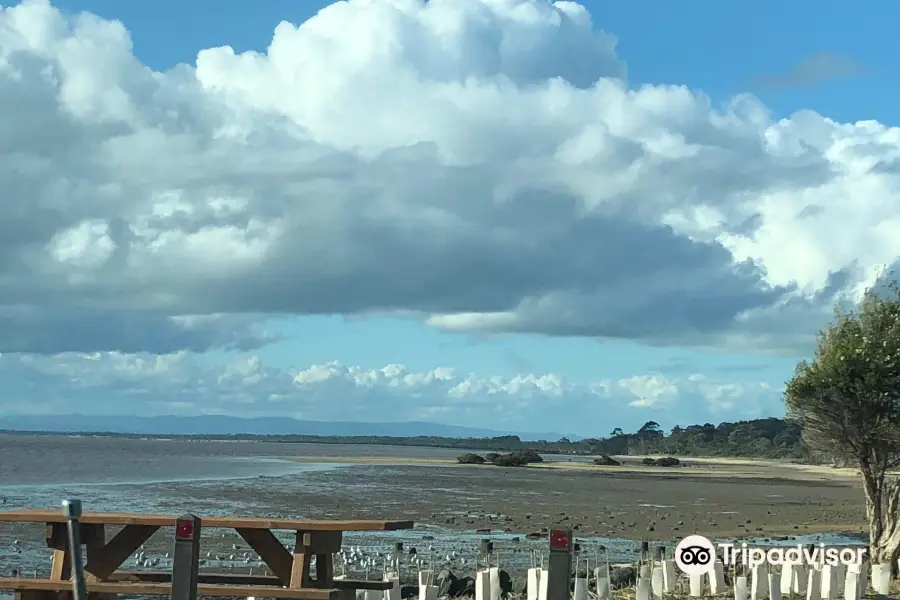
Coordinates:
100 518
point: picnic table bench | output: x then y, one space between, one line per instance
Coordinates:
291 570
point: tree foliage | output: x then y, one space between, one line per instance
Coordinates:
762 438
847 399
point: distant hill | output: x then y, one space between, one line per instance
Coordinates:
225 425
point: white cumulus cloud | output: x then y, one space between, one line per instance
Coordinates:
184 384
484 165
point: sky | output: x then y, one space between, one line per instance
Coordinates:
507 214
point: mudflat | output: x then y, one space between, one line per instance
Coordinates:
714 497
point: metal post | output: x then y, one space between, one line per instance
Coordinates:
186 558
487 550
398 552
72 510
559 564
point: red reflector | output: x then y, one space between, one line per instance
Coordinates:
559 540
184 529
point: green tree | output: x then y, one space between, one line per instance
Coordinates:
847 400
649 427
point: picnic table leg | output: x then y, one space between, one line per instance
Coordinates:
94 538
104 560
322 545
271 551
56 536
300 568
325 569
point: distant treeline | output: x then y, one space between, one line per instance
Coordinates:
762 438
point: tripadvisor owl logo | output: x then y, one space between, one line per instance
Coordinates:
696 555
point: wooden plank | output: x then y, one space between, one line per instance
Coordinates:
243 579
165 589
362 584
318 544
56 537
322 542
34 595
324 571
301 563
202 577
60 566
270 550
53 516
103 561
94 539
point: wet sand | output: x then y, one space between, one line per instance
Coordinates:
715 497
454 506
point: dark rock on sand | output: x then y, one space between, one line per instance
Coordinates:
468 584
506 585
606 461
470 458
620 577
449 585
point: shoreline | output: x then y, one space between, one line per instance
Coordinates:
692 467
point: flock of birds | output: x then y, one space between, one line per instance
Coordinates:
355 559
145 560
350 559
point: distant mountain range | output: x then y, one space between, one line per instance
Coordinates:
225 425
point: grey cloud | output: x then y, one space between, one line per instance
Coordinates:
44 331
814 69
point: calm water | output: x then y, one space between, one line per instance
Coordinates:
56 460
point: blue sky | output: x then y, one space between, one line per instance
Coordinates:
720 48
833 59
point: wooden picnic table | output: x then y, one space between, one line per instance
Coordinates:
291 569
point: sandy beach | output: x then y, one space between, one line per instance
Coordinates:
454 506
715 497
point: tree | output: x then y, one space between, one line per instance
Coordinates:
847 400
617 432
649 427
